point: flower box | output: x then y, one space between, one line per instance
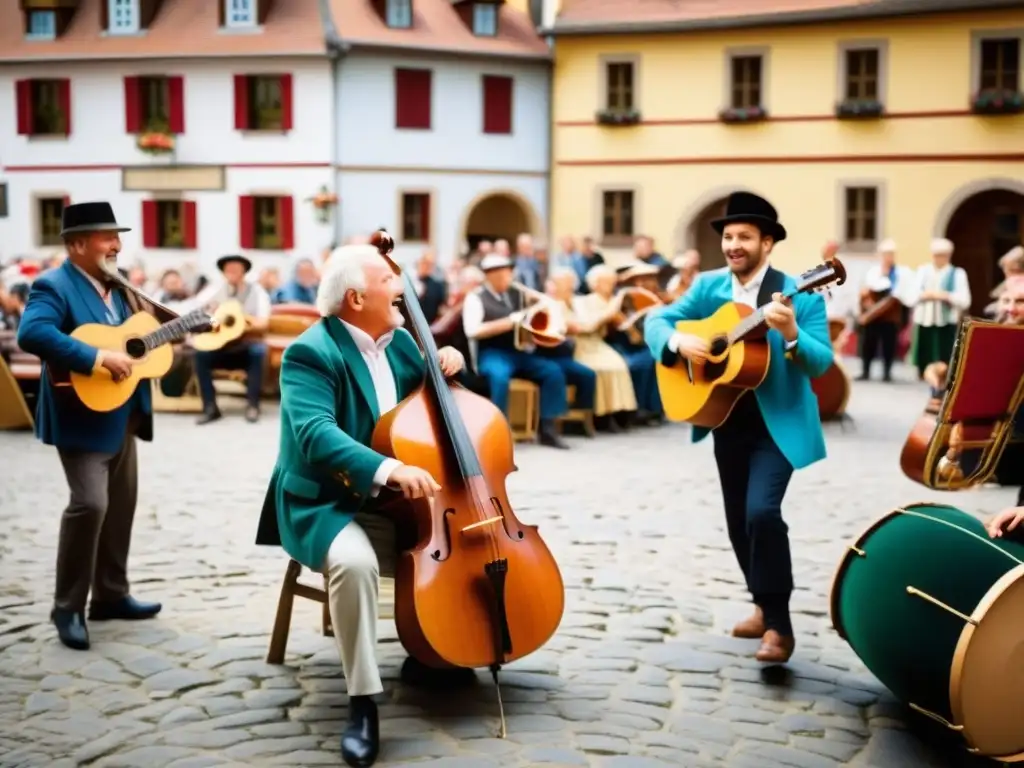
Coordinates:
852 109
618 117
743 115
156 143
997 101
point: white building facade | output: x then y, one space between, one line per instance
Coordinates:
238 178
442 151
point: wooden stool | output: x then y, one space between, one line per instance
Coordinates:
523 409
582 416
291 588
14 411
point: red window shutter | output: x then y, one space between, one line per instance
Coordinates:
246 222
425 213
176 104
286 102
150 226
64 103
497 104
412 98
286 214
241 103
188 223
132 106
23 97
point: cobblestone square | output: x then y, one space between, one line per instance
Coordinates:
641 673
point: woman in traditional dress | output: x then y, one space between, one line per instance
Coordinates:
617 379
943 296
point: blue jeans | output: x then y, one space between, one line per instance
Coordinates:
580 376
244 357
500 366
644 375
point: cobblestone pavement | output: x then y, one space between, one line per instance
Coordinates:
641 673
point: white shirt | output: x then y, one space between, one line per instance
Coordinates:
473 315
937 313
905 290
257 301
103 290
383 378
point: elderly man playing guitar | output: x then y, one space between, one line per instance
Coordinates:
771 430
337 379
96 449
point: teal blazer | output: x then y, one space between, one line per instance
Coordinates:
789 407
325 467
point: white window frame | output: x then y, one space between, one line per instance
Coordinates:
485 19
398 11
132 28
248 11
51 32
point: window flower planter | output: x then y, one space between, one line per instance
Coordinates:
852 109
743 115
997 101
618 117
156 143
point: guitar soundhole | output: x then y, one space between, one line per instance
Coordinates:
228 321
135 348
719 346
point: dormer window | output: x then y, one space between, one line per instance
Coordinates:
123 17
42 25
485 19
241 13
399 13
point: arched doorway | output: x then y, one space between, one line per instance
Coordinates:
499 215
983 227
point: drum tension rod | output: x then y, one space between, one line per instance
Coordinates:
934 601
857 551
936 718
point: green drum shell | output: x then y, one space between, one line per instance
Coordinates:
906 641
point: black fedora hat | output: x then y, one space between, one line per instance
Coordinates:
223 260
89 217
748 208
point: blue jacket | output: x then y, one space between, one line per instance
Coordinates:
789 407
61 300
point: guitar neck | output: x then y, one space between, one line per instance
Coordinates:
752 322
168 333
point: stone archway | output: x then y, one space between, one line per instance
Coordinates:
499 214
984 220
694 227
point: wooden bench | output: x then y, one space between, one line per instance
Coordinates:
14 410
582 416
523 409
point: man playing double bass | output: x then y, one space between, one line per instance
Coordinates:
97 450
337 378
771 430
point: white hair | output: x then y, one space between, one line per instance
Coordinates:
596 272
565 272
344 271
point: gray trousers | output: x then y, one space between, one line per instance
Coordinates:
96 528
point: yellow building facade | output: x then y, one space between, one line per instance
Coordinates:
652 132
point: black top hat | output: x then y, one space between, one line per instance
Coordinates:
748 208
234 257
89 217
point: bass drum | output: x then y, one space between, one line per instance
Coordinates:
934 607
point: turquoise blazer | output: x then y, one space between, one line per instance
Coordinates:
325 466
789 407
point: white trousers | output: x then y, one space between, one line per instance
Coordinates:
353 585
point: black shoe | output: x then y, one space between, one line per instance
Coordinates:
252 414
549 436
127 608
418 675
71 628
360 741
863 377
209 415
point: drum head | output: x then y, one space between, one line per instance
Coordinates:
986 686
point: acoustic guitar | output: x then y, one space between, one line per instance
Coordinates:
230 326
143 339
704 394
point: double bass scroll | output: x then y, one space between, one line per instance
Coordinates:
479 588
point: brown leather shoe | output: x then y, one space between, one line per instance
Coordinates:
775 649
752 628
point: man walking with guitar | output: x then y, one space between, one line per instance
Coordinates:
771 430
97 449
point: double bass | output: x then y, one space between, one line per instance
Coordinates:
832 388
479 588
